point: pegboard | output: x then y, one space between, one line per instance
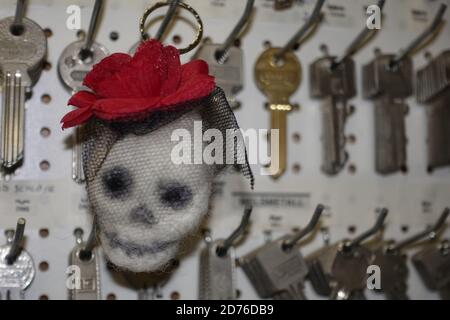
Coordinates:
54 205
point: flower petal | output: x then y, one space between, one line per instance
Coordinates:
76 117
105 69
82 99
197 87
110 109
172 77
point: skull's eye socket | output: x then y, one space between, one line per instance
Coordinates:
175 195
117 182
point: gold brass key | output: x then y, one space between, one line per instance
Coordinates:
278 80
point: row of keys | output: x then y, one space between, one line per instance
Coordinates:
387 80
278 270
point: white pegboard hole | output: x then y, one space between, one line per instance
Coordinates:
404 228
44 266
297 137
46 98
351 139
111 296
297 168
44 165
45 132
44 297
177 39
352 169
175 295
44 233
352 229
48 32
114 36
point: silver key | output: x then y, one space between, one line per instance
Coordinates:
336 86
389 87
349 272
433 89
276 273
16 265
21 60
217 273
228 71
278 269
394 272
86 284
433 265
320 265
75 62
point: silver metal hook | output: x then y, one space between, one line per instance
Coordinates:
287 245
427 232
377 227
86 52
17 28
313 19
223 249
420 39
85 253
16 244
355 45
221 53
167 18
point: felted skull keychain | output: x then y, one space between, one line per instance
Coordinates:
146 205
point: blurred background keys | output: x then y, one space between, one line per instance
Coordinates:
433 89
278 269
226 60
218 264
75 62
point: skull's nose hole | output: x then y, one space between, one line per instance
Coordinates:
142 214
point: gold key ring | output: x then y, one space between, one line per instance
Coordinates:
183 5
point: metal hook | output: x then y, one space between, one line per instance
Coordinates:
86 52
221 53
417 42
17 27
287 245
85 253
16 243
356 44
223 249
427 232
168 17
377 227
313 19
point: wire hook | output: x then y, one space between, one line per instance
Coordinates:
417 42
356 44
17 27
427 232
223 249
221 53
377 227
85 253
287 245
16 243
86 51
168 17
313 19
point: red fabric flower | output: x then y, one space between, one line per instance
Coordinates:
125 87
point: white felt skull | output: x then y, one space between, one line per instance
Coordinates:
145 205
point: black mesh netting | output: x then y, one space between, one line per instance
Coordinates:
144 200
